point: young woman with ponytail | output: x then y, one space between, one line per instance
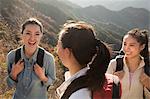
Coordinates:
135 76
87 59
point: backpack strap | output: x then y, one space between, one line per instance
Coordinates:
75 85
17 55
116 91
119 64
40 57
147 70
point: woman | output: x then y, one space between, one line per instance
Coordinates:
136 56
87 58
30 72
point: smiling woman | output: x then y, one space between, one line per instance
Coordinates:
31 69
135 73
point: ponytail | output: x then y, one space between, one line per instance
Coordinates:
145 53
96 73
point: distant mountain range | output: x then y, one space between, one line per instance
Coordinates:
110 25
114 4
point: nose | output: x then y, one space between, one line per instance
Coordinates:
126 48
32 37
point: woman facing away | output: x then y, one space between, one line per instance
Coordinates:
87 59
31 69
135 82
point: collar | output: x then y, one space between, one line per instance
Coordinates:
32 58
141 65
61 89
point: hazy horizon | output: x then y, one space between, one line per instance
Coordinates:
114 4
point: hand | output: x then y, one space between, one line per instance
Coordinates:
145 80
16 69
40 72
120 74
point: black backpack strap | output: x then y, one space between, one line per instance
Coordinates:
116 91
17 55
147 70
119 64
40 57
75 85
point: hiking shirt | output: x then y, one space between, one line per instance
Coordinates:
29 86
132 88
83 93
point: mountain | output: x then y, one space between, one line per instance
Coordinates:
14 12
127 18
114 4
109 25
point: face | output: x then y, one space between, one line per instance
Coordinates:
131 47
62 53
31 36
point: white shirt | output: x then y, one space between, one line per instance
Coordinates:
83 93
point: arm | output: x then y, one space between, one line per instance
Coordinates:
9 61
50 72
111 67
145 80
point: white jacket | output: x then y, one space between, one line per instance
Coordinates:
135 90
83 93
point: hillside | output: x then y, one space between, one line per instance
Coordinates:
14 12
127 18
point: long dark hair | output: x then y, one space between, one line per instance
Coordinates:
88 50
142 37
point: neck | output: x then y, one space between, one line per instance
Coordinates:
74 69
133 63
29 52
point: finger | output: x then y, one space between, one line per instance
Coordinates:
20 61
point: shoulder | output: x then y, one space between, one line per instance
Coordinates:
112 63
83 93
11 53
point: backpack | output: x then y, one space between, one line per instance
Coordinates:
80 83
39 60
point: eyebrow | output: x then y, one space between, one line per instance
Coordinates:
35 32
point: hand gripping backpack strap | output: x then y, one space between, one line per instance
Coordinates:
75 85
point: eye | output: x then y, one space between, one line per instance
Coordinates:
27 33
131 45
124 44
37 34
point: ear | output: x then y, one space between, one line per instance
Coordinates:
142 47
67 52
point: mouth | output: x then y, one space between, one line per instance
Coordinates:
31 43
